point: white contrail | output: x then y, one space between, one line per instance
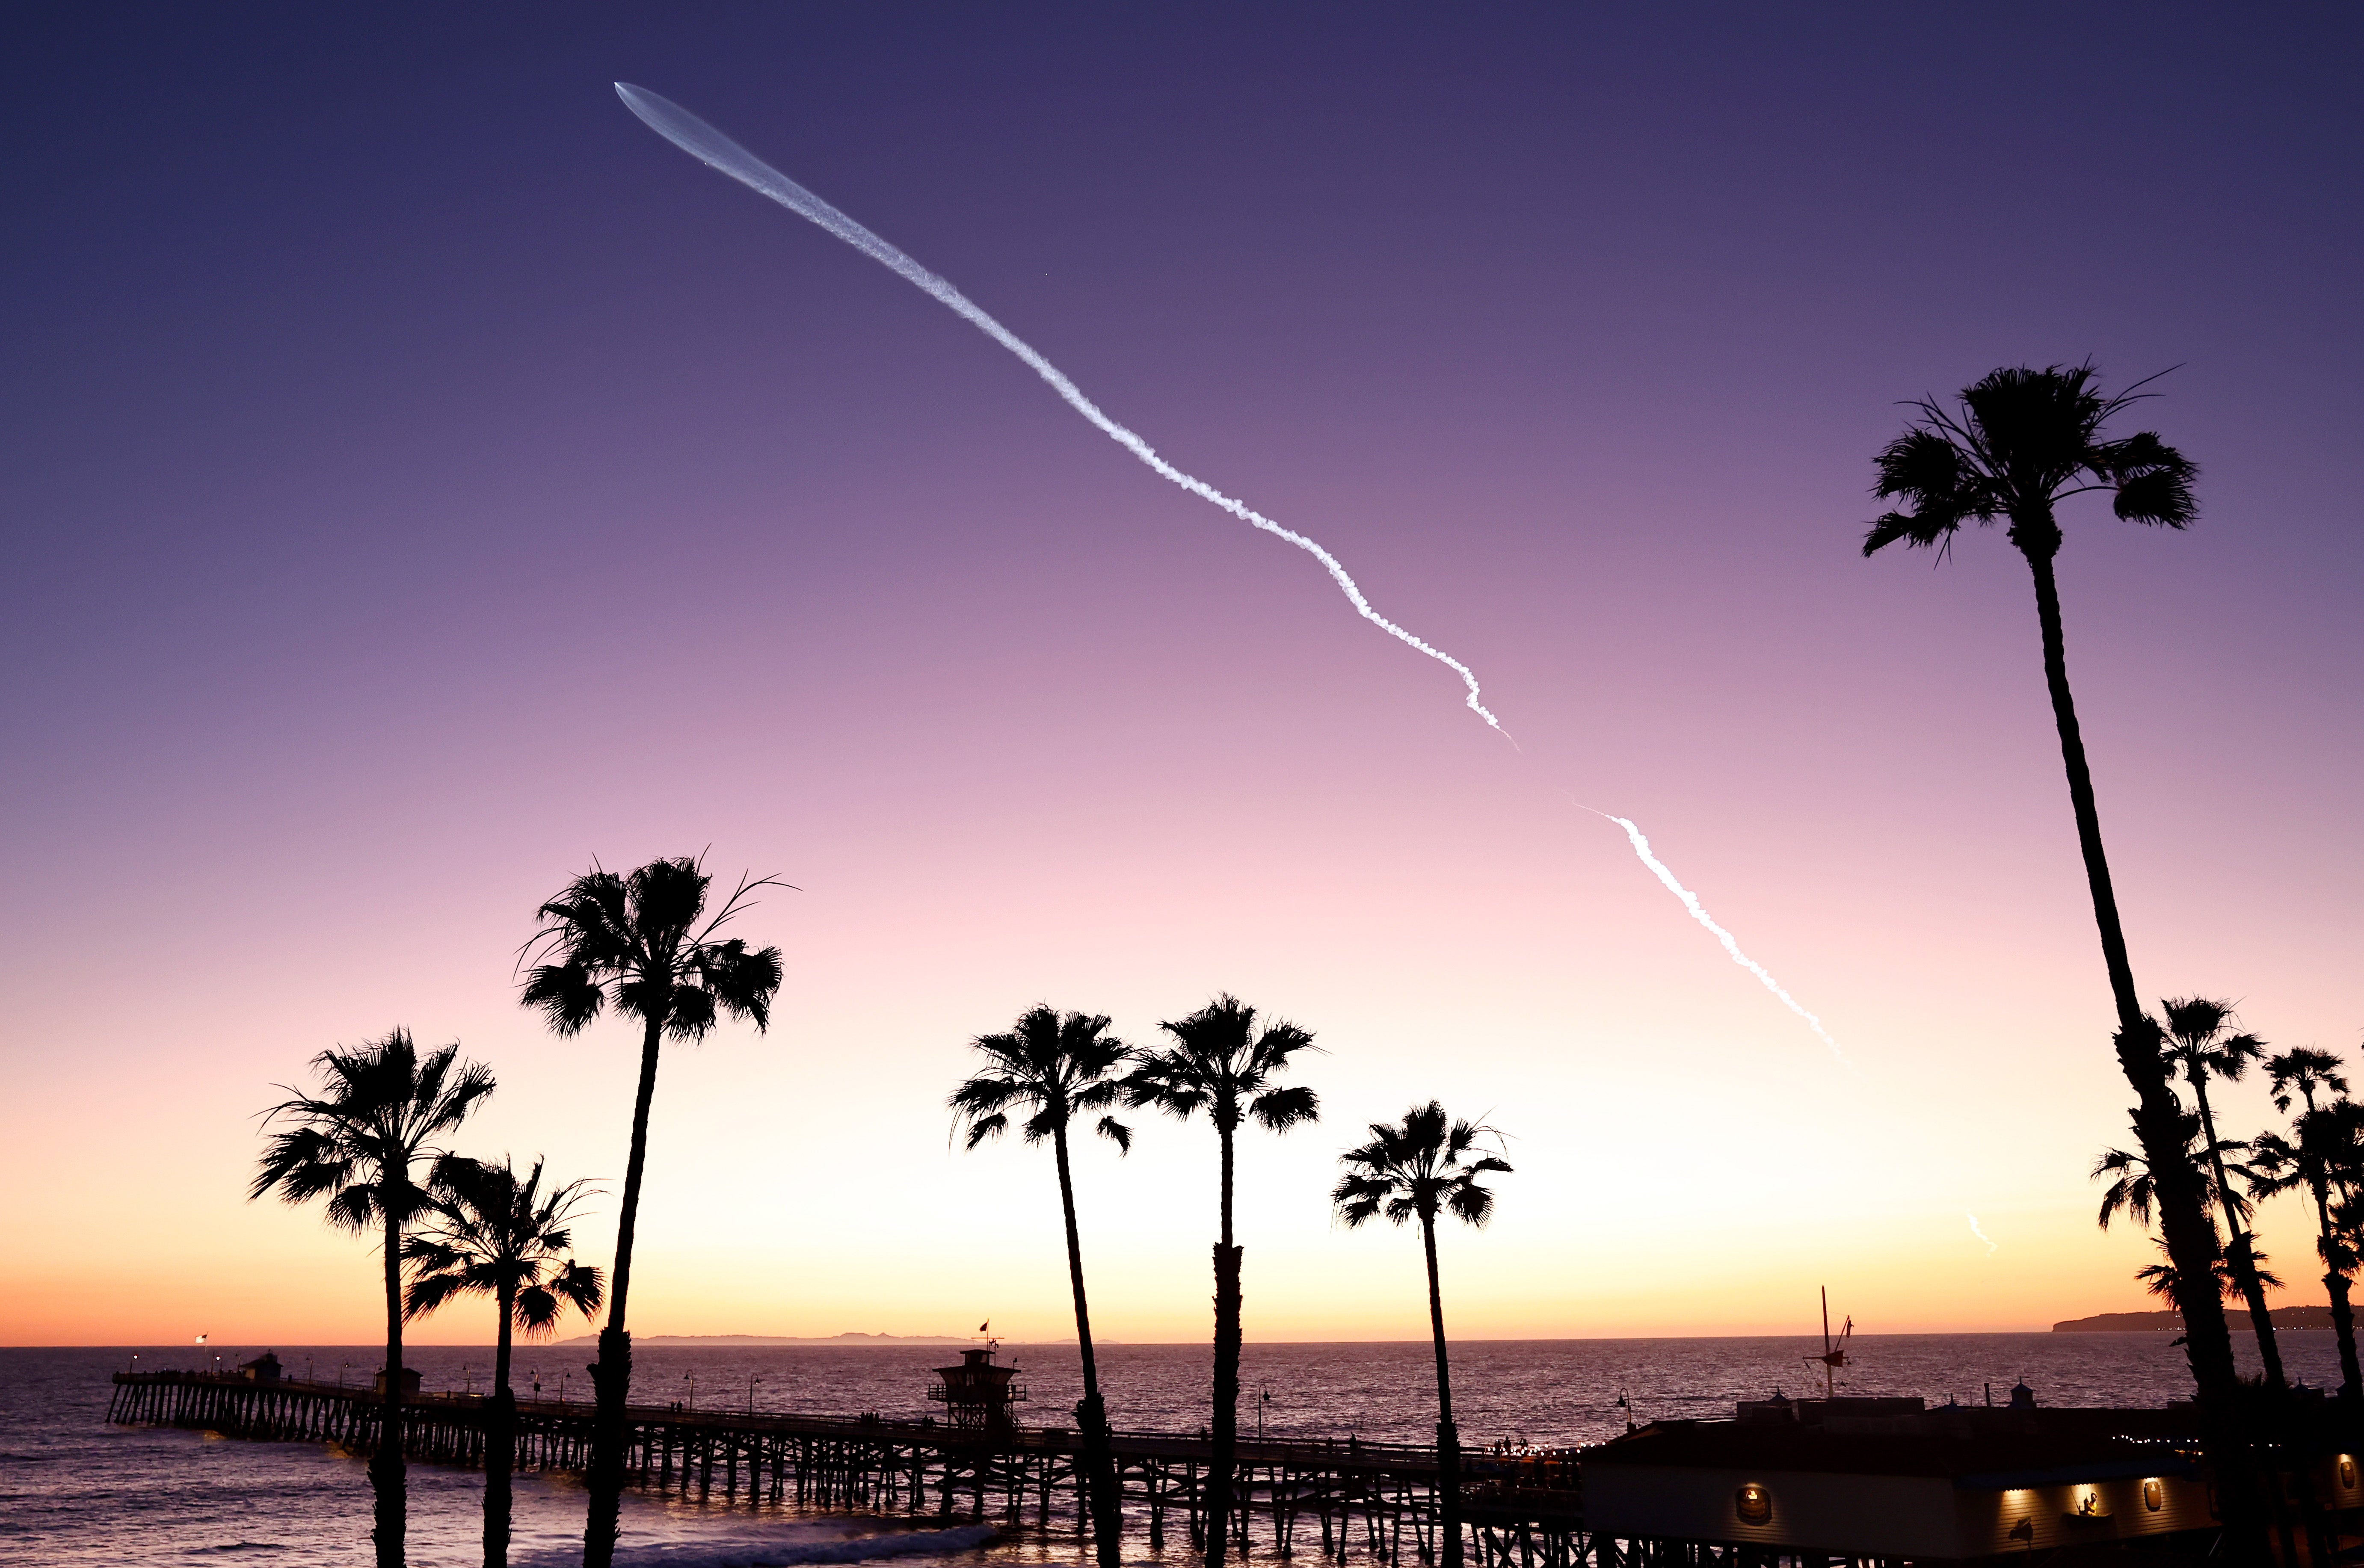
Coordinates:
1699 913
718 152
1981 1234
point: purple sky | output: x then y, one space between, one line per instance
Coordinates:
419 479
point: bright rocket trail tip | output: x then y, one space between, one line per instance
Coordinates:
1981 1234
1699 913
718 152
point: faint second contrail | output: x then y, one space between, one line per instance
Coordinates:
716 150
1730 945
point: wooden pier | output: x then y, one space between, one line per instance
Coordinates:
1376 1502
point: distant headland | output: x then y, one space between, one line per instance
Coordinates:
2172 1322
780 1339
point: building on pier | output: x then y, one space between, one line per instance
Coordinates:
977 1395
1889 1479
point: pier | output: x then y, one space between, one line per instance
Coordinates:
1348 1500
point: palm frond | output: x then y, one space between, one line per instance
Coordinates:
2015 443
1417 1168
1280 1109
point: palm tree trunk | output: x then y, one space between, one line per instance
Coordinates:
2239 1255
1222 1457
611 1374
2184 1224
1448 1436
1091 1416
388 1479
500 1442
2335 1280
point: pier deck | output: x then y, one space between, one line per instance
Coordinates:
1377 1501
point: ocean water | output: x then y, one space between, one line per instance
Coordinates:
75 1492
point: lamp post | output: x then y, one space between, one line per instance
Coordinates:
1262 1400
750 1393
691 1378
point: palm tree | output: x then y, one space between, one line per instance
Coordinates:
1051 1067
2324 1149
1414 1171
644 943
1220 1064
2197 1042
490 1234
2019 441
378 1110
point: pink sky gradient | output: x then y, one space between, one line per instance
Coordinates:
422 481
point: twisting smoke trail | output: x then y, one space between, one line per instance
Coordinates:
1981 1234
718 152
1699 913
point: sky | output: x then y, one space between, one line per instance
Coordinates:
421 483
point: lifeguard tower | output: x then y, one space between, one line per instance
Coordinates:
976 1394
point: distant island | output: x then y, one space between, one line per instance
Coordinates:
780 1339
2172 1322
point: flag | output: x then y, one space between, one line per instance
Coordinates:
201 1339
984 1326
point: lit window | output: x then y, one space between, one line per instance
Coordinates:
1754 1504
2153 1497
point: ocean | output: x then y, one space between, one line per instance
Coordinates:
75 1491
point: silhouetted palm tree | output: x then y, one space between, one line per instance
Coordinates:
2197 1041
379 1109
488 1233
644 943
2019 441
2324 1147
1050 1068
1416 1170
1220 1064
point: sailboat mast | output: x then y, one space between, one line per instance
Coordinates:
1829 1388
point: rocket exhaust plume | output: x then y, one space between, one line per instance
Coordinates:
1699 912
718 152
1981 1234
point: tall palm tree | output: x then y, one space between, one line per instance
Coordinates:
1221 1064
2197 1042
378 1110
2019 443
1049 1068
489 1233
1416 1170
644 943
2324 1149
